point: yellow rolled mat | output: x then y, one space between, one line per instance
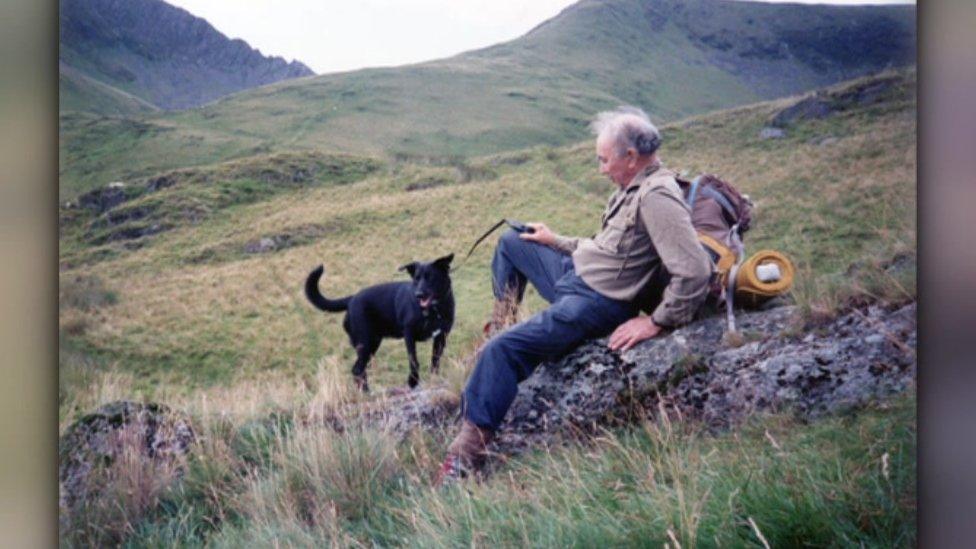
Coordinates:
748 285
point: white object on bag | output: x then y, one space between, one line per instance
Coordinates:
768 272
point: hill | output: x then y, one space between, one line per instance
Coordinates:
156 52
198 293
673 58
78 92
205 312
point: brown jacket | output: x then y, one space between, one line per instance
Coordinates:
645 228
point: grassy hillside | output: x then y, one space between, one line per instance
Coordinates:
197 316
673 58
77 92
195 307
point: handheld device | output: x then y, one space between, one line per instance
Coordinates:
519 227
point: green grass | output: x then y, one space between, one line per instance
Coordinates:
846 480
78 92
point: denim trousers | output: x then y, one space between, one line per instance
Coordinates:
577 313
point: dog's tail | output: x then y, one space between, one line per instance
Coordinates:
319 300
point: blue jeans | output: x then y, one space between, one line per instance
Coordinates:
577 313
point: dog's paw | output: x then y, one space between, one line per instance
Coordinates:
413 381
362 384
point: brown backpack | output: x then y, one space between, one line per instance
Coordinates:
721 215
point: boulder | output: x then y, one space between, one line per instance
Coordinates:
813 107
94 443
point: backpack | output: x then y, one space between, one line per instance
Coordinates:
721 215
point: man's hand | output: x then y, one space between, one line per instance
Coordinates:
632 332
542 234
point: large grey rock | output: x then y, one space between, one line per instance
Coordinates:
96 441
822 104
859 357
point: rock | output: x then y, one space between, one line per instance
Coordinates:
296 236
102 199
771 133
813 107
689 371
156 434
874 339
825 103
260 246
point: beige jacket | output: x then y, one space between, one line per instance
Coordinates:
646 227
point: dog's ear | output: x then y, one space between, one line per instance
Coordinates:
410 268
444 262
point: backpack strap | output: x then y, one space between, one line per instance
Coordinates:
710 192
693 193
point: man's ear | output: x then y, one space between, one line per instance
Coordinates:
632 156
410 268
444 262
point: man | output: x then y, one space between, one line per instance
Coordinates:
645 250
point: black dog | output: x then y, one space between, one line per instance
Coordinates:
414 310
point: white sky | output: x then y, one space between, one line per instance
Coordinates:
334 35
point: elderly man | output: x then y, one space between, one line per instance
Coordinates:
645 251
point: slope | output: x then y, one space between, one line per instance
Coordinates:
77 92
672 58
206 264
159 53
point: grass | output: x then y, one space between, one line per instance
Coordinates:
188 317
267 479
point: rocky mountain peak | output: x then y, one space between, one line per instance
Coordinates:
162 53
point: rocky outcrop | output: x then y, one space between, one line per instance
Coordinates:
162 53
857 358
150 433
861 356
824 103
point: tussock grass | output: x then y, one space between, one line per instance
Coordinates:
848 480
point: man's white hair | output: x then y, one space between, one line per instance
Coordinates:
629 128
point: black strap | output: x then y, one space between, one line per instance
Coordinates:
484 236
518 226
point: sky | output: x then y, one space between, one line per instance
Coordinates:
334 35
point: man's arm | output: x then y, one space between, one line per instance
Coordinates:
669 226
668 223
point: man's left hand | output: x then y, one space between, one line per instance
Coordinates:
632 332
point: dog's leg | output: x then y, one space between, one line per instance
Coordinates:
364 352
414 378
440 341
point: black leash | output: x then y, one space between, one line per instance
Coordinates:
518 226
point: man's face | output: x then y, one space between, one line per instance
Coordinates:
617 167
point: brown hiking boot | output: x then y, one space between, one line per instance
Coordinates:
466 454
503 314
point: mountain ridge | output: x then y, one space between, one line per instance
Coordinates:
674 59
160 53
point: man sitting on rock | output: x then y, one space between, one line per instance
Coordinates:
645 251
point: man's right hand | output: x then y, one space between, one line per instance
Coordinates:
541 234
